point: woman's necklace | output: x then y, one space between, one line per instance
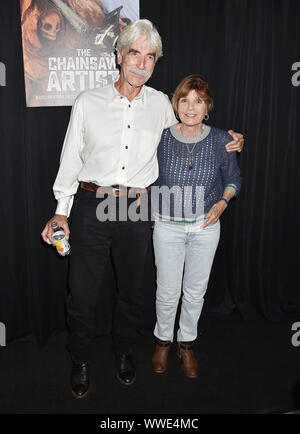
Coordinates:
190 160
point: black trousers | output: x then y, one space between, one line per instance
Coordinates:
92 241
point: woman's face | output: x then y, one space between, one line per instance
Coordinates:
191 109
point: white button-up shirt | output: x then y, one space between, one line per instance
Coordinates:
111 140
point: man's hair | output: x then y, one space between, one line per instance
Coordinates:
193 82
134 31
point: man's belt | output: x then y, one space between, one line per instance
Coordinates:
114 190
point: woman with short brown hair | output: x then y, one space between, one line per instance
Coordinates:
202 177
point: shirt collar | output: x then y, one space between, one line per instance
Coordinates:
114 94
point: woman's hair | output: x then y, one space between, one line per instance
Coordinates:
134 31
193 82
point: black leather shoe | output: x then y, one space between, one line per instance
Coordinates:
80 379
126 371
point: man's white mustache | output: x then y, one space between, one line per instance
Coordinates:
139 72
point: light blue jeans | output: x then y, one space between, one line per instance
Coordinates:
183 256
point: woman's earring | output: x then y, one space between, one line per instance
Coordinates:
206 117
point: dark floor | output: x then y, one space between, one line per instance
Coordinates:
245 367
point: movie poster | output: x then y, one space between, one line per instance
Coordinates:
68 46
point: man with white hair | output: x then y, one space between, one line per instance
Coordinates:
110 149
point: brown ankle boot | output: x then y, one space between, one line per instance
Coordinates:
189 362
160 356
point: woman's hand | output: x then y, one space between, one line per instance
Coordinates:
237 143
215 213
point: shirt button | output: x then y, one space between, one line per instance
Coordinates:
123 167
128 126
126 147
129 106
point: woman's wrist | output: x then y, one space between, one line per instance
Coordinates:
223 199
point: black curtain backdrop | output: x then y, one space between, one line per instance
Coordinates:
245 49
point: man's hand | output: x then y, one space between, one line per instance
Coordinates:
237 144
215 213
62 221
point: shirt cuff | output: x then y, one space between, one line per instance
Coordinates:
64 205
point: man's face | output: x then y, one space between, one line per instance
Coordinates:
137 63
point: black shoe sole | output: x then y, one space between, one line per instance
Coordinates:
159 372
124 382
80 396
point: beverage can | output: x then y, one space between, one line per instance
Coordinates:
61 243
